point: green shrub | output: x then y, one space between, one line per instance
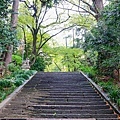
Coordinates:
114 94
12 67
112 90
106 86
25 76
33 71
18 82
18 72
9 83
17 59
5 83
39 65
90 71
29 72
22 79
96 80
5 92
2 96
118 102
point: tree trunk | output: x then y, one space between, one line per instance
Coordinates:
8 56
14 16
34 44
119 75
98 5
34 52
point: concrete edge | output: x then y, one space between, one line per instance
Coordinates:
14 93
61 119
103 94
49 119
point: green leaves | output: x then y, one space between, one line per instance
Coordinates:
104 38
9 83
39 64
112 90
7 36
65 59
5 83
83 21
4 4
17 59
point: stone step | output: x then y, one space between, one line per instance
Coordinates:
66 103
85 107
59 91
69 96
71 93
73 111
68 99
58 96
97 116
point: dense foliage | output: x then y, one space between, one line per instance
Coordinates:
104 38
9 83
4 4
69 60
7 36
39 64
112 90
102 43
39 26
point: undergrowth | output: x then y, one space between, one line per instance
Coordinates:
10 82
108 85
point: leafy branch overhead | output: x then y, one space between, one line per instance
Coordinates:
41 23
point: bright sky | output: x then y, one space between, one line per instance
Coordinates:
60 38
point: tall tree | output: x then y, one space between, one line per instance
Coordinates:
14 16
9 47
3 20
97 8
41 23
104 38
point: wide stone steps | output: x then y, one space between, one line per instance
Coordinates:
57 96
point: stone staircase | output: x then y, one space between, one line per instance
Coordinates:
58 96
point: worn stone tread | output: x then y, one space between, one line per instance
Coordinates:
58 96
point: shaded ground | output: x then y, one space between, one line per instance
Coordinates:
58 95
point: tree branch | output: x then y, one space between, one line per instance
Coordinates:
56 14
41 40
25 41
42 17
81 8
30 28
56 22
26 3
53 36
91 7
70 9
